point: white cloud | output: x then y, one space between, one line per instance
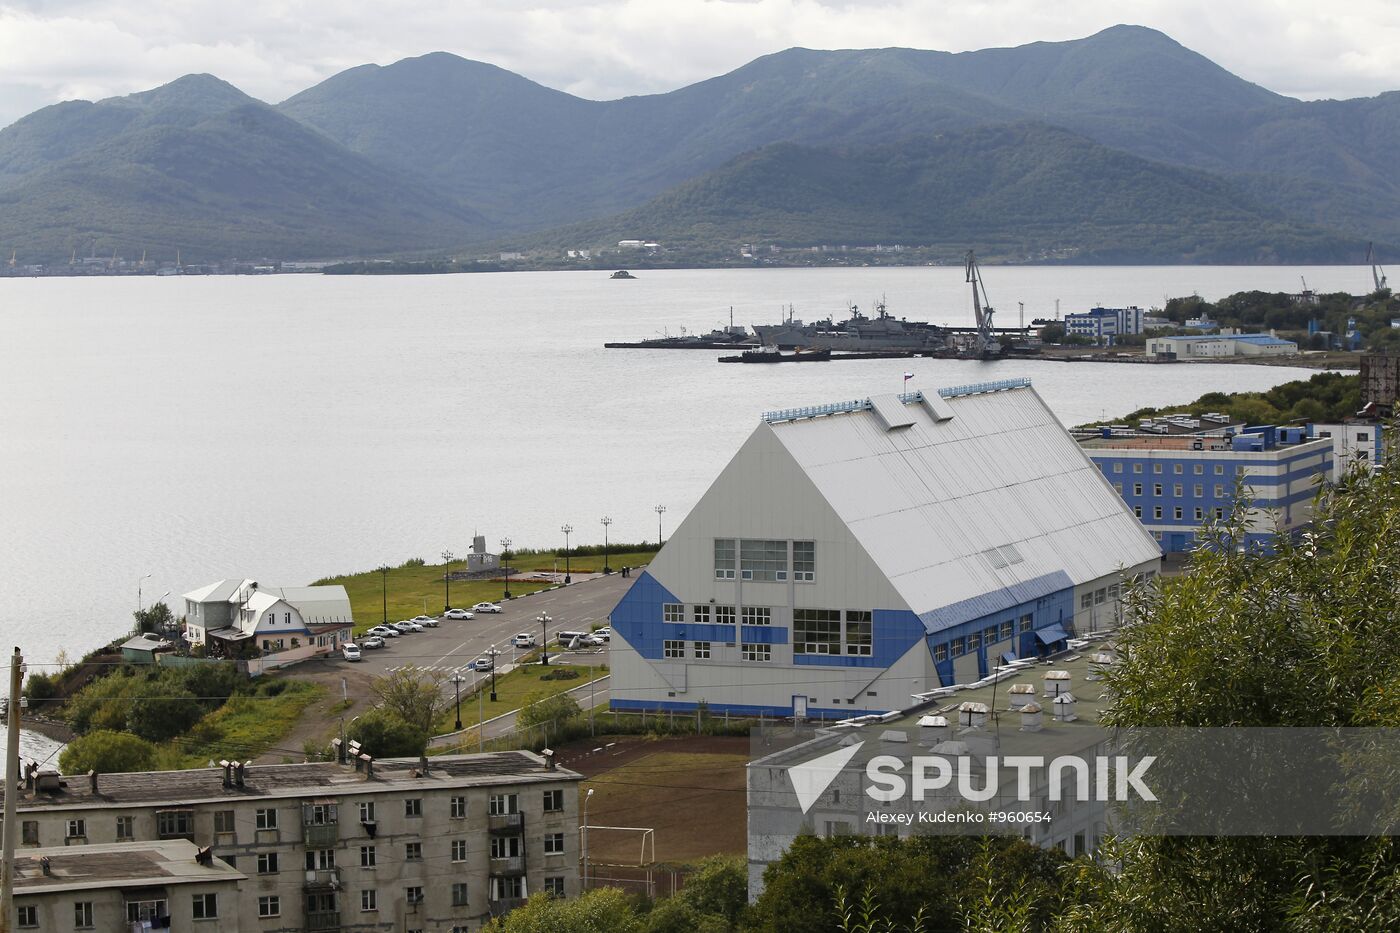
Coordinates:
610 48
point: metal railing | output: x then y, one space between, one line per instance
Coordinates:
979 388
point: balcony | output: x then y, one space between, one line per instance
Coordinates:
323 920
320 835
504 905
322 879
506 824
511 865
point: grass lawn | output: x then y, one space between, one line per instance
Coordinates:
244 727
411 590
511 691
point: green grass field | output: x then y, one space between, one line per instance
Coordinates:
511 692
246 726
413 589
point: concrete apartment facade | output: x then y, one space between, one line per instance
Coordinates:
852 555
379 845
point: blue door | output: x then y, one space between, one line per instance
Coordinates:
1176 542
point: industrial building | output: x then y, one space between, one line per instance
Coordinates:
1352 440
1173 484
1105 324
440 844
1219 346
851 555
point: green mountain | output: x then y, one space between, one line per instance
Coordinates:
1016 192
198 167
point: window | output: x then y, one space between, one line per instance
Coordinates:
505 846
1118 468
1219 514
1219 491
761 560
724 558
269 905
320 859
503 888
413 852
1219 470
413 806
1005 630
459 850
816 631
859 633
672 612
554 885
1200 513
1239 471
1198 469
974 641
1156 468
369 899
171 824
1113 593
367 811
28 915
1156 489
268 863
1157 512
757 615
1086 601
1363 435
940 652
502 804
82 914
265 819
751 652
1137 489
700 615
1137 511
1198 490
223 821
673 649
724 615
367 856
459 894
1176 468
458 808
1118 488
1137 467
804 560
554 801
702 650
1100 595
958 646
554 844
77 829
414 894
206 907
126 828
1027 623
1176 513
1177 490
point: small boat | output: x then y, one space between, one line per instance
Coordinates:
771 354
622 274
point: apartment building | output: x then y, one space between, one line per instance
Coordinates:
439 844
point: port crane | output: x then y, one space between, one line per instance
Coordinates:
987 344
1377 273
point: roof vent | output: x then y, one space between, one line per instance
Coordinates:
1064 708
890 409
937 407
1021 694
48 782
894 735
972 715
1031 718
1097 664
1056 683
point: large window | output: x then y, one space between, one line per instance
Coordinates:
172 824
137 911
1004 630
757 652
859 634
265 819
553 801
702 650
724 558
816 631
757 615
700 615
672 612
206 907
267 863
804 561
673 649
502 804
269 905
763 561
724 615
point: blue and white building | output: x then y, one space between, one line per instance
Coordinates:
1105 324
1174 484
852 555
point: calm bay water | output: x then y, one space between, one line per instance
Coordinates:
289 427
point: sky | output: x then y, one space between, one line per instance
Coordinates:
53 50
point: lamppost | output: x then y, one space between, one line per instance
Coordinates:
493 676
659 510
505 563
606 522
544 621
457 681
585 837
384 589
447 580
138 590
568 530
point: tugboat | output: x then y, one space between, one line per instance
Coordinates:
622 274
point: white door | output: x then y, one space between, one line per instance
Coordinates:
799 707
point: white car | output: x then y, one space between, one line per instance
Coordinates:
483 663
457 614
350 651
371 641
604 633
523 640
486 607
408 625
425 621
384 631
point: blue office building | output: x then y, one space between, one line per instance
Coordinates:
1105 324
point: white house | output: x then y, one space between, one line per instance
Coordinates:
274 618
854 554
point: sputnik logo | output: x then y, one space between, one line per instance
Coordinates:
811 778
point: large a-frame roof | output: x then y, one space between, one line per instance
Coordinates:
969 501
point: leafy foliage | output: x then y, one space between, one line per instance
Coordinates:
1322 397
107 752
385 734
555 709
413 695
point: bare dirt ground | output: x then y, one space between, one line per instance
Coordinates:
321 721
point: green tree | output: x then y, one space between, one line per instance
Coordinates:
413 695
602 910
107 752
161 710
156 617
39 687
545 709
384 734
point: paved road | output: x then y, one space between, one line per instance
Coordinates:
454 644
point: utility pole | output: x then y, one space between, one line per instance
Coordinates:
7 858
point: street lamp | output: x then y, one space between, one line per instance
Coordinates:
457 681
585 837
568 530
659 510
138 590
493 676
384 589
544 621
606 522
505 563
447 580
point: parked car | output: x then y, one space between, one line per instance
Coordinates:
486 607
385 631
457 614
408 625
604 633
429 621
371 641
523 640
350 651
483 663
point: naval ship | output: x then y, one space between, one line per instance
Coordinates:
858 332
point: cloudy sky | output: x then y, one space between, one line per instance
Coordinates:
52 50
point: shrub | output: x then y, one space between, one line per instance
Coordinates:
385 735
162 710
107 752
39 687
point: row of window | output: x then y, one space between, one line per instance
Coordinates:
203 907
966 644
1196 468
324 859
820 631
764 560
1098 597
1179 513
704 614
1178 490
